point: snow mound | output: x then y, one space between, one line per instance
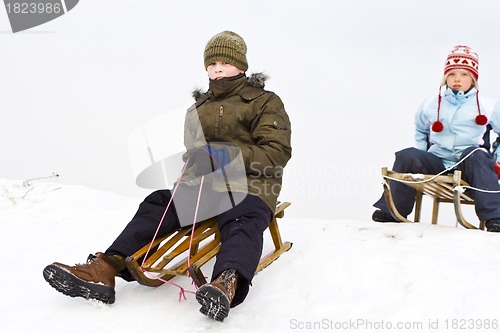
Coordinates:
341 275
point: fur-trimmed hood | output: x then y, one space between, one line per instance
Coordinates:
257 80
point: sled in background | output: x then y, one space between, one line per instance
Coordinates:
440 189
169 254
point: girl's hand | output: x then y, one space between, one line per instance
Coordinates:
496 167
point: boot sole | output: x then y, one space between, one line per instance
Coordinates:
72 286
213 301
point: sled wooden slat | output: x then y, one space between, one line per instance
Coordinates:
440 189
169 255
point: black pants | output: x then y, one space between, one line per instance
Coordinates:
241 230
477 170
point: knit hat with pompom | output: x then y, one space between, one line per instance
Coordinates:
464 58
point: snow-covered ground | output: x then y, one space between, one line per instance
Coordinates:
340 275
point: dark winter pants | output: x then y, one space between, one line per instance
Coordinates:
241 231
477 170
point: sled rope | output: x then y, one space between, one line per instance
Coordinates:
194 221
460 188
165 212
182 291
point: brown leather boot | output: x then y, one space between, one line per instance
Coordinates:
93 280
216 297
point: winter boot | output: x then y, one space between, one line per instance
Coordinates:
215 297
493 225
381 216
93 280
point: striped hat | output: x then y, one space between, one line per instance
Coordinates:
462 57
229 47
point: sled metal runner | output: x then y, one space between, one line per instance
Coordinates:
168 256
440 189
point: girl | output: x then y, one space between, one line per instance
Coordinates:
448 128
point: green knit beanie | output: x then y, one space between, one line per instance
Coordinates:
229 47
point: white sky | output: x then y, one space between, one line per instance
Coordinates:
351 75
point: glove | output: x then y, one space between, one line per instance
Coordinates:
496 167
207 159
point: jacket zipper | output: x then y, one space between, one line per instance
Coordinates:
219 119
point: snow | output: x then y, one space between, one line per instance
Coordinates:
340 275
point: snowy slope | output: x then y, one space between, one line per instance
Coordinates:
355 275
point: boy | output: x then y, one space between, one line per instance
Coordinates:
235 119
448 128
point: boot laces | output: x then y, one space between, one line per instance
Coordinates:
228 279
91 258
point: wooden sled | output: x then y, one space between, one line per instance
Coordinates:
440 188
171 255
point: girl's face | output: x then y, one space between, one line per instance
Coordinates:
459 79
219 69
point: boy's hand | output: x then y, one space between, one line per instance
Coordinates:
207 159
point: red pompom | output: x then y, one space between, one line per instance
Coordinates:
481 120
437 126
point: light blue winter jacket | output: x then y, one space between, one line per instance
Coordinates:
458 113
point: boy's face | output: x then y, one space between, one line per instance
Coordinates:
459 79
219 69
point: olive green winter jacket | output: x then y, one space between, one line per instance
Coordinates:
254 126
